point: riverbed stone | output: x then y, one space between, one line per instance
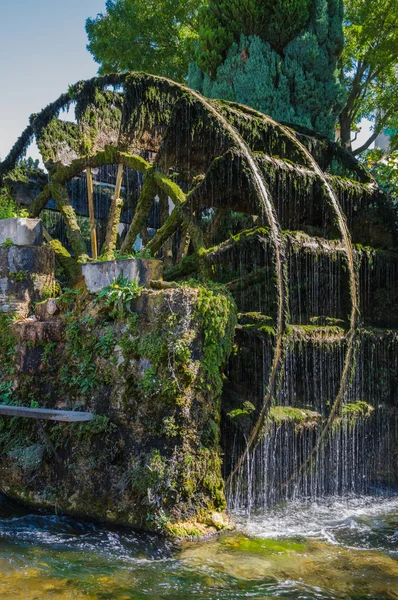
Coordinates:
98 275
21 232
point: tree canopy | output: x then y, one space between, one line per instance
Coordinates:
369 67
276 56
155 36
283 57
223 22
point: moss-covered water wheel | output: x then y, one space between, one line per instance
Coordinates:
234 179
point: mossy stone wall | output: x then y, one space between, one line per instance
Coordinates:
153 377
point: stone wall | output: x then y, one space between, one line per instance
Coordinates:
152 376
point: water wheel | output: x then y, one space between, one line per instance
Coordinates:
234 187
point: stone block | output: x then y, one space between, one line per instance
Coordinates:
98 275
21 232
36 332
26 275
47 309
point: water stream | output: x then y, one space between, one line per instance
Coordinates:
339 548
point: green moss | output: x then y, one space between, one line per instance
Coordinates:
356 410
247 409
298 416
315 333
61 197
186 530
254 318
55 136
263 547
18 276
216 312
7 244
327 321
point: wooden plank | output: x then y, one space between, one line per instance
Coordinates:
91 212
69 416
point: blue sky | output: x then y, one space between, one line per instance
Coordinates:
42 51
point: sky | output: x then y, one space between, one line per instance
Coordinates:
42 51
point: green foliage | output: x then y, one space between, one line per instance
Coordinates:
145 253
286 71
27 170
100 424
222 22
247 409
369 67
384 169
51 290
119 295
155 36
7 244
18 276
8 206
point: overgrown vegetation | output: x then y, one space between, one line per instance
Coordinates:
8 207
119 294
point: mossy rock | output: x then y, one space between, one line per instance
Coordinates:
356 410
298 416
263 547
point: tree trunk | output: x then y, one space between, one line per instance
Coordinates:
345 130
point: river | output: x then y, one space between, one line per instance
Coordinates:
338 548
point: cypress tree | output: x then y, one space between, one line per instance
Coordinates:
277 56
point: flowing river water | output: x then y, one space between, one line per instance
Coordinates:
339 548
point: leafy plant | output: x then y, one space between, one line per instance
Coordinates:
144 253
18 276
7 244
119 295
385 170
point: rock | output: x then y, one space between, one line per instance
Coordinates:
21 232
98 275
34 332
47 309
26 275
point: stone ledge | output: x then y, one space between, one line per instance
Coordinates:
21 232
39 331
98 275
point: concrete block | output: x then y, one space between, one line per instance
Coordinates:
21 232
98 275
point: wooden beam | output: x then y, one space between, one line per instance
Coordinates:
93 231
109 247
68 416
